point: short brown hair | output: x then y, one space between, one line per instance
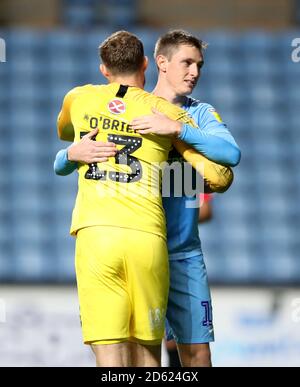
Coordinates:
122 52
167 43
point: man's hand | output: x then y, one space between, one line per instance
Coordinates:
88 151
156 123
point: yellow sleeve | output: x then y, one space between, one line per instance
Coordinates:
65 129
217 177
174 112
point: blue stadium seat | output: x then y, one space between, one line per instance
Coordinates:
122 14
66 265
28 262
265 95
258 42
292 94
280 266
79 16
7 268
228 68
221 41
223 95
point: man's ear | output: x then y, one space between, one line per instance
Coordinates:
104 71
145 64
162 62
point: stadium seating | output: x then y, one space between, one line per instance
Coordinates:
250 78
88 13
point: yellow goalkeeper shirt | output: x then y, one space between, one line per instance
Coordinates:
125 191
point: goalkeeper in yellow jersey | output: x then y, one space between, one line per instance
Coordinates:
117 216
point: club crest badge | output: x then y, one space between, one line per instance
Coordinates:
116 106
